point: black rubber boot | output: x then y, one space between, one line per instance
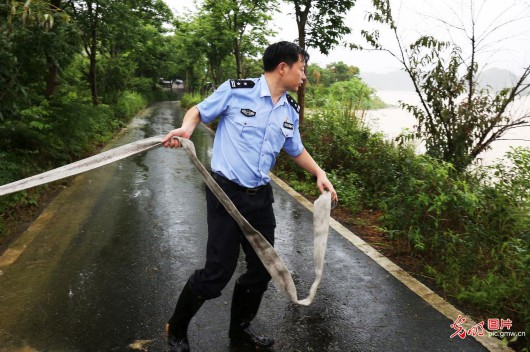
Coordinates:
245 305
177 327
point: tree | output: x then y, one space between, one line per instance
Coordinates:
110 27
56 9
338 72
134 47
42 22
189 53
88 15
456 119
215 41
353 94
339 85
43 71
320 25
245 21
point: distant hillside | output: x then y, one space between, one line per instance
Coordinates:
494 78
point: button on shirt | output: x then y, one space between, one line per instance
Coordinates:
251 130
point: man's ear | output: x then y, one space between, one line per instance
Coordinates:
282 66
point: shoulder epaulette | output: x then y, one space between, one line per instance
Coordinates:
293 103
242 83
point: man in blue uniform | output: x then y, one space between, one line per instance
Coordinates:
257 118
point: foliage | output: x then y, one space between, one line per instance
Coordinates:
215 42
237 27
339 84
474 228
225 39
128 104
456 119
470 229
354 94
363 164
190 100
24 71
115 28
252 67
47 117
320 25
38 13
333 72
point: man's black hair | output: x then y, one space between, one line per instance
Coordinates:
282 52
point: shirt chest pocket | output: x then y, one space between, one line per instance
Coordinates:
245 127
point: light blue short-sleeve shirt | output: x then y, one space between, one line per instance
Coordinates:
251 130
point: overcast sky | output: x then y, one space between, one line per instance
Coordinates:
508 46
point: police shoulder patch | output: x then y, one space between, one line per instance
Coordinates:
293 103
242 83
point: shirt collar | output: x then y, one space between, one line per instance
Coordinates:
265 91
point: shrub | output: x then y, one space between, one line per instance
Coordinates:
189 100
471 229
475 231
128 104
340 142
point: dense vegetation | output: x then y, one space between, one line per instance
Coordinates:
470 230
469 224
63 93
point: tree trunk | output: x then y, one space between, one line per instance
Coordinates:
92 56
52 81
92 78
237 53
302 20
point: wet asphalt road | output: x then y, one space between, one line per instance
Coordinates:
109 256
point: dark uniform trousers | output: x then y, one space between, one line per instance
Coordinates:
225 239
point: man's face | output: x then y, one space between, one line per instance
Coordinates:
295 75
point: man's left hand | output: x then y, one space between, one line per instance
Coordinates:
324 184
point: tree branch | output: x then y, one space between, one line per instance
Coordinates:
513 139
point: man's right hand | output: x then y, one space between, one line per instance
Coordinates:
170 142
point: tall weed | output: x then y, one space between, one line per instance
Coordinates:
189 100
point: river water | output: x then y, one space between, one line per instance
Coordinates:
393 120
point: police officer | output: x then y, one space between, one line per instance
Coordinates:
257 118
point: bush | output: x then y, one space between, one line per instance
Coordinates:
353 94
189 100
471 229
53 133
474 231
128 104
340 142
